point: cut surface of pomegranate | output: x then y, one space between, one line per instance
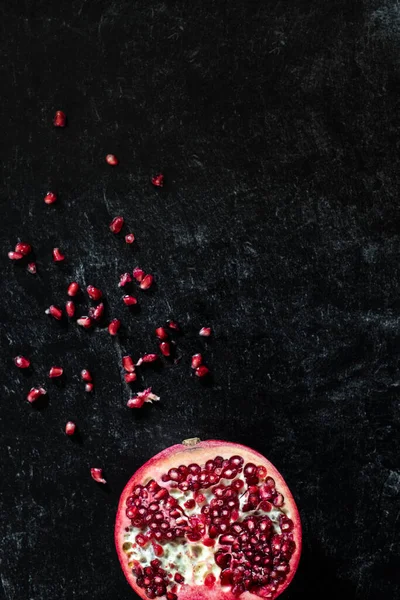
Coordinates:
208 521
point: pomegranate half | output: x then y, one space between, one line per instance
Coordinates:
208 521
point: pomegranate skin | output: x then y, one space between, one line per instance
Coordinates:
195 451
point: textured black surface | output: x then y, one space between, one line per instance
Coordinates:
277 127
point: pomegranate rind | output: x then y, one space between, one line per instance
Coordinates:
199 453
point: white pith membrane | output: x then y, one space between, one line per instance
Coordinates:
195 561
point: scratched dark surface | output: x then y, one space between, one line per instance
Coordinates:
277 127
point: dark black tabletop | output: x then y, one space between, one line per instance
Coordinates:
276 125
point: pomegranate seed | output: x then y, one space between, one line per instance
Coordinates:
85 375
147 358
205 331
70 428
58 256
97 475
85 322
142 397
15 255
73 289
93 292
209 580
158 180
129 300
116 224
173 325
50 198
129 238
97 312
124 279
89 387
146 282
161 333
21 362
60 119
70 308
135 402
261 472
112 160
56 372
138 274
54 311
130 377
179 578
127 363
202 371
165 348
31 268
23 248
35 393
114 326
197 359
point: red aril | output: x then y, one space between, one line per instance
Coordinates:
55 372
60 119
58 256
112 160
70 428
31 268
187 513
21 362
73 289
158 180
94 293
129 238
146 282
50 198
114 326
23 248
129 300
15 255
116 224
70 308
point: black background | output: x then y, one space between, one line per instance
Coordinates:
277 127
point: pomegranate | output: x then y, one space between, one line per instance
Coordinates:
208 521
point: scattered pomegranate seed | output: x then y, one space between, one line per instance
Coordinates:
97 312
85 375
89 387
146 282
55 372
55 312
85 322
70 428
129 238
165 348
142 397
197 359
173 325
114 326
23 248
97 475
116 224
73 289
50 198
128 364
35 393
129 300
31 268
161 333
112 160
147 358
202 371
93 292
209 580
60 119
70 308
58 256
15 255
138 274
205 331
130 377
158 180
124 279
21 362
